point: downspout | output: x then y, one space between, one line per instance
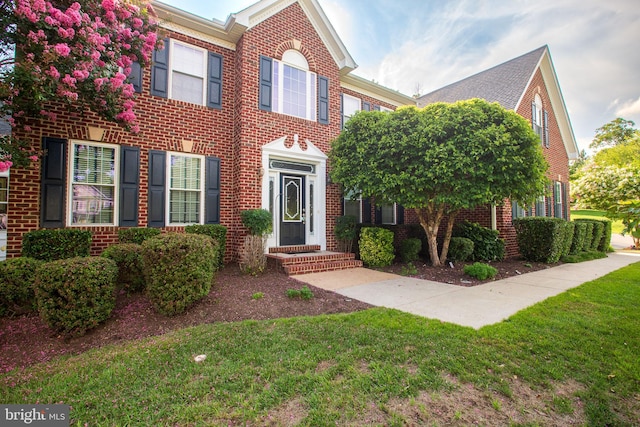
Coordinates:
494 219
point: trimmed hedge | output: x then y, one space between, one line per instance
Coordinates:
410 249
600 237
487 245
543 239
579 238
55 244
128 258
460 249
76 294
17 276
376 246
178 270
137 235
218 233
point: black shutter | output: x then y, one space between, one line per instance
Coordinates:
160 72
157 190
341 111
52 188
366 106
378 214
212 191
366 211
214 98
565 201
323 100
266 83
399 214
547 143
342 206
129 185
135 77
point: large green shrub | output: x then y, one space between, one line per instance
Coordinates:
76 294
460 249
54 244
600 236
588 239
178 270
258 221
128 258
218 233
579 237
137 235
410 249
605 242
487 245
17 276
480 271
376 246
543 239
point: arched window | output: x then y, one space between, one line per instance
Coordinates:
536 115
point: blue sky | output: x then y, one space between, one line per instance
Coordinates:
427 44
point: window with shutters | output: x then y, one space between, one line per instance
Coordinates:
388 214
350 106
185 174
294 86
188 70
93 192
353 205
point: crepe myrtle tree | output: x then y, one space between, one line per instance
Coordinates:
439 160
75 53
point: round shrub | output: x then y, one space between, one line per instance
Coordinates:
128 258
218 233
76 294
480 271
410 249
178 270
258 221
137 234
17 276
376 246
460 249
487 245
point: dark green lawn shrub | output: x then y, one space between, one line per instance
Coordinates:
599 232
178 270
579 236
480 271
76 294
128 258
460 249
605 241
376 246
17 276
588 235
346 231
258 221
543 239
410 249
487 245
54 244
218 233
137 235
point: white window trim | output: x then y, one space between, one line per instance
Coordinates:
168 188
171 70
353 98
70 182
311 98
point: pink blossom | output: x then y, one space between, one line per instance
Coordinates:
137 23
109 5
126 116
33 158
62 49
68 80
4 166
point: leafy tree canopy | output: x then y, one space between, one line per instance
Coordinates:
617 131
78 54
440 159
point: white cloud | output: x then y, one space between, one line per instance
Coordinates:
629 108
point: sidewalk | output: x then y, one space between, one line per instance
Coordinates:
476 306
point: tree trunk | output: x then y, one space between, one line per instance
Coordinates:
451 218
430 218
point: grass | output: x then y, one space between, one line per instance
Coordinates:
339 369
616 226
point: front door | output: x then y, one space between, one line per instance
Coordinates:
292 210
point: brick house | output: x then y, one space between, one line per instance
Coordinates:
529 86
239 115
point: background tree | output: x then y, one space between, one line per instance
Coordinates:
439 160
78 54
615 132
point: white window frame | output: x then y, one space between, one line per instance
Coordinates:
558 202
173 65
537 117
351 112
169 189
71 182
394 210
294 60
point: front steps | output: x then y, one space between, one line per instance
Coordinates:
310 259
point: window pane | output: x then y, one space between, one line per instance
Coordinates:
93 164
185 190
388 214
352 207
294 92
93 189
350 105
188 60
187 88
185 173
92 204
184 207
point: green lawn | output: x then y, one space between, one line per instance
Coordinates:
572 356
616 226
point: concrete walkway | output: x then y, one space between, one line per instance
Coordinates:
476 306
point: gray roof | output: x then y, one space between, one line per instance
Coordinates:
504 83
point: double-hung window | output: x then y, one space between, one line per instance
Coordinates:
93 177
186 184
388 214
188 71
350 106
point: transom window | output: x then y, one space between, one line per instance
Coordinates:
93 190
188 71
294 86
186 177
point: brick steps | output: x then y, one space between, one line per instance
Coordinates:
302 262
